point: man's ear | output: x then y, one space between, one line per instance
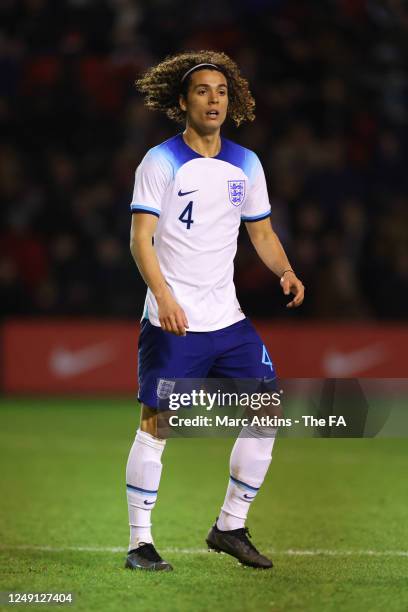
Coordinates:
182 103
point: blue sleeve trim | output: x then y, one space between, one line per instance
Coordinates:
257 218
135 208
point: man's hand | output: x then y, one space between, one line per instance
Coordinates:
291 284
171 316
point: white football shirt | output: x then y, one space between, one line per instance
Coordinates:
200 202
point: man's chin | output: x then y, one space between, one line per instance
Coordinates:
210 127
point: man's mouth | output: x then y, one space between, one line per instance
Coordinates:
212 113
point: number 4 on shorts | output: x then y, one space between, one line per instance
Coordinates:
265 357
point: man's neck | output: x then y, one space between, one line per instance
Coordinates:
207 145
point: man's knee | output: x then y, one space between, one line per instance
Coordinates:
152 422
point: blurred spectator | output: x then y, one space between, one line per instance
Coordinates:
12 295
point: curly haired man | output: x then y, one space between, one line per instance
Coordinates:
190 195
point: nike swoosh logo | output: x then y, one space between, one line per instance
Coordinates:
149 503
247 498
338 364
65 363
181 193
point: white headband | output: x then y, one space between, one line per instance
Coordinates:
195 68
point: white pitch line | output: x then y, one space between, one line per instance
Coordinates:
199 551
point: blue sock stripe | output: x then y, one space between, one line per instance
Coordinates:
243 484
140 490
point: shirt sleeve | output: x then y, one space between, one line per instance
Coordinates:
256 205
152 178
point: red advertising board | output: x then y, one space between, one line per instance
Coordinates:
69 357
101 357
337 350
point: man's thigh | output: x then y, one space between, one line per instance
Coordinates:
165 357
243 357
241 353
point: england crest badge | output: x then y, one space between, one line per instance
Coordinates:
165 388
236 192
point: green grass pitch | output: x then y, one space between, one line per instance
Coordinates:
332 513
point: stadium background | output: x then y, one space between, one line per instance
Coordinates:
330 82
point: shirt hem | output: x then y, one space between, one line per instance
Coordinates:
211 328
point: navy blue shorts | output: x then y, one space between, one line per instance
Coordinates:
235 351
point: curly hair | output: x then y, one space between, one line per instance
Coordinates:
162 85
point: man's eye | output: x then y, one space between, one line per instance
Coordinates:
201 91
223 92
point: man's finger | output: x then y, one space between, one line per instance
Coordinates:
285 285
163 324
185 320
180 324
299 294
167 325
174 325
297 300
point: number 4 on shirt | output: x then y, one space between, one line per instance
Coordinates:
186 215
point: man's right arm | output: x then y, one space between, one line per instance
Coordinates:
171 316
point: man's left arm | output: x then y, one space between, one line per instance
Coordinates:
272 253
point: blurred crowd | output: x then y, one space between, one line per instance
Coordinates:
331 86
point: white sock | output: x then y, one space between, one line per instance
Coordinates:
143 473
249 463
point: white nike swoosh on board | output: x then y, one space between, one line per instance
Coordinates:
340 363
65 363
